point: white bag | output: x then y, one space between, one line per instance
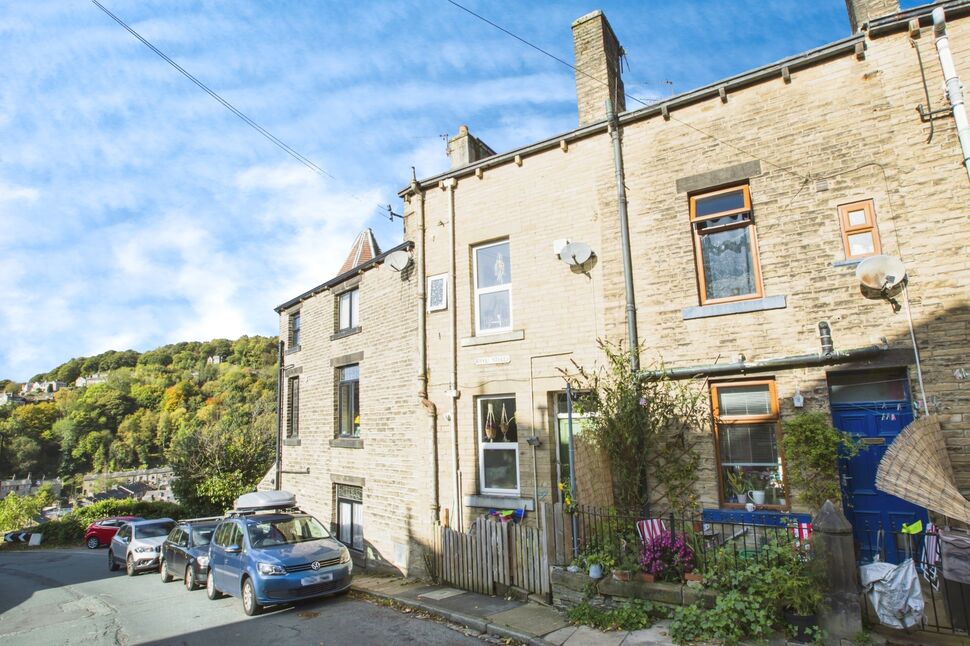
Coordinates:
894 592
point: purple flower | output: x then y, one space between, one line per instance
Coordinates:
667 556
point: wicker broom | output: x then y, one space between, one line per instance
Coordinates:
917 468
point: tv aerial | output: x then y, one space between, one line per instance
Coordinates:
882 277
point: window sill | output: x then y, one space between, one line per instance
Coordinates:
293 350
737 307
345 333
485 339
494 501
347 443
774 518
291 441
848 263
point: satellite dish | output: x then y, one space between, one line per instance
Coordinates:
881 273
576 254
398 260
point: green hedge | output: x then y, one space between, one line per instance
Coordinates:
69 529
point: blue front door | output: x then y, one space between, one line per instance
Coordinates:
873 407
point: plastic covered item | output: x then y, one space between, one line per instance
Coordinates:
265 500
894 593
955 548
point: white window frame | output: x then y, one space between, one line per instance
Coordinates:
443 304
494 446
353 316
505 287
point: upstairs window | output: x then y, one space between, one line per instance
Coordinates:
860 236
347 305
493 288
294 330
293 407
348 401
725 246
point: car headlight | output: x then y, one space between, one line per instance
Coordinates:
144 548
345 555
270 568
203 561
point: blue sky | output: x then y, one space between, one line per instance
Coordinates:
137 211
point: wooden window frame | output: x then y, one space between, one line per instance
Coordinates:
356 503
294 328
699 255
494 289
772 418
871 226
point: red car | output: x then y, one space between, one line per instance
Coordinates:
100 532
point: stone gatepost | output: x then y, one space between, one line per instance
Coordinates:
841 615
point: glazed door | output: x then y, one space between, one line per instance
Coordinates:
873 407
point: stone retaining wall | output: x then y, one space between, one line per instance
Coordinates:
572 588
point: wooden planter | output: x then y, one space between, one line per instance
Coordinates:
645 577
693 576
622 575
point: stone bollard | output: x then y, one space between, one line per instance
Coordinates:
841 614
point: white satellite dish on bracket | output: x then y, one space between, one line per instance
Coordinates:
578 255
882 275
398 260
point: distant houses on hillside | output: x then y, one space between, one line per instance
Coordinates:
90 380
28 486
141 484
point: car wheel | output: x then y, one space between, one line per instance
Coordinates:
189 579
112 563
130 566
250 606
163 571
93 543
210 588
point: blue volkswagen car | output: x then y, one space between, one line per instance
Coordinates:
271 556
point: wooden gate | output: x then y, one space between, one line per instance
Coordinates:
492 553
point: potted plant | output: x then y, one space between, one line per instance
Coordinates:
801 596
625 568
740 484
597 561
667 556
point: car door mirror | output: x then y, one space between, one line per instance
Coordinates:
233 549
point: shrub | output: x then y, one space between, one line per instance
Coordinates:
812 451
69 529
635 614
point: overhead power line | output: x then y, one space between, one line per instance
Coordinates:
205 88
627 95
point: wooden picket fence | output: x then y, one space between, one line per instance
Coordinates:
493 554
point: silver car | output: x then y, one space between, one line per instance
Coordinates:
138 545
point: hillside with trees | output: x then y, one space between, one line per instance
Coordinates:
213 421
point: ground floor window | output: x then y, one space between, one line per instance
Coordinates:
748 437
498 445
350 516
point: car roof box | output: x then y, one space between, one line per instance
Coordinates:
260 500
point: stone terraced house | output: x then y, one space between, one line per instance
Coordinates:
433 387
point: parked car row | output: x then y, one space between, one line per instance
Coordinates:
265 551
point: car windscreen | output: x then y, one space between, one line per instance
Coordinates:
285 531
153 530
202 535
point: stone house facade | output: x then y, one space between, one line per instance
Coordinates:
751 202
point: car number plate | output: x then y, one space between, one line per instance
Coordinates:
317 578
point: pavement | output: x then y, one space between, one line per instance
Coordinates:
527 622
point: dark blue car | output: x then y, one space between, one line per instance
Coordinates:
269 558
185 553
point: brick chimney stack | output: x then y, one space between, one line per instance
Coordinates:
598 56
862 11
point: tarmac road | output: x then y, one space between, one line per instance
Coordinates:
50 597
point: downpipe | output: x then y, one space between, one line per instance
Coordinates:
279 416
954 88
453 392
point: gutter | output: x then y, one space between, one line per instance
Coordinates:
832 357
897 22
359 269
839 48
